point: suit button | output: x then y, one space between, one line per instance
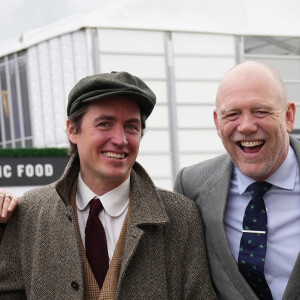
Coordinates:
75 285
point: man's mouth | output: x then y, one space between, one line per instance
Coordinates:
115 155
251 146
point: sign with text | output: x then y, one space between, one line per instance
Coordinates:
22 171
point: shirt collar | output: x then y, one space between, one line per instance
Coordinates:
284 177
114 201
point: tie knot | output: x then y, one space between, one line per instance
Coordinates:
95 206
258 189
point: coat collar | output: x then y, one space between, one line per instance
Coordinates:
147 206
67 180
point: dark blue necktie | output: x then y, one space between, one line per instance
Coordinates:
253 244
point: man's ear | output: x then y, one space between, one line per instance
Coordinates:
216 122
290 116
71 131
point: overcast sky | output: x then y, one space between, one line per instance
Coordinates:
19 16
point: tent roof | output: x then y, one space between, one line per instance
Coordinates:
241 17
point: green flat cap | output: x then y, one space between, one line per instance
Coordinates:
96 87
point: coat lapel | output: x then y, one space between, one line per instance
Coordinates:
146 210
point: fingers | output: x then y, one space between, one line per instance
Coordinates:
2 196
8 204
6 200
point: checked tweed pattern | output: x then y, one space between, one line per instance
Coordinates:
95 243
251 260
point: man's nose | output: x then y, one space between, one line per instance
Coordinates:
119 137
247 124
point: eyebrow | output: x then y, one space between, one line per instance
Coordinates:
103 117
225 111
259 106
111 118
134 120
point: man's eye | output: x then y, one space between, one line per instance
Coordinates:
132 127
260 113
103 124
231 116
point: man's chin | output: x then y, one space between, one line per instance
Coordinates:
116 176
253 171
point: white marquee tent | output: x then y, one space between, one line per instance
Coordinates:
180 48
240 17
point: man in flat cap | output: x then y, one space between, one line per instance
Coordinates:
103 230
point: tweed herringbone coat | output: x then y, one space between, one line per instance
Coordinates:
164 255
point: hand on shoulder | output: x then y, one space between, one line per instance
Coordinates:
8 204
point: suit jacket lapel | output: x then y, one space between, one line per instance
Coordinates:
213 213
213 210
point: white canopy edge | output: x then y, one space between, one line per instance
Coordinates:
234 17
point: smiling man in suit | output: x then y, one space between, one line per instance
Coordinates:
249 198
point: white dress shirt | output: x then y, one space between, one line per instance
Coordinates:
115 204
283 209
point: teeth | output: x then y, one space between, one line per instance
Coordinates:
114 155
251 144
